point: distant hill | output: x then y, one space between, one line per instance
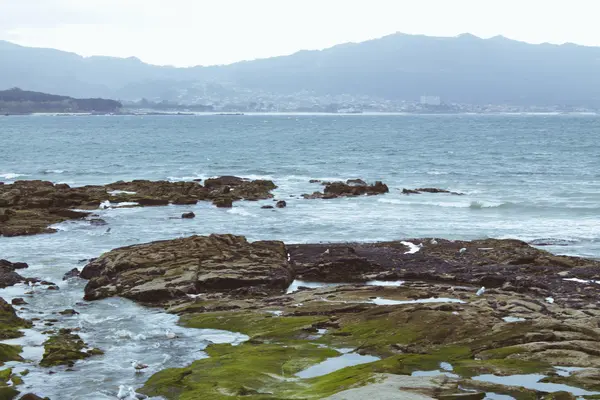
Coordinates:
463 69
17 101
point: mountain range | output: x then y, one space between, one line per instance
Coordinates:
463 69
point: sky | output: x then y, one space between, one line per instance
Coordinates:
200 32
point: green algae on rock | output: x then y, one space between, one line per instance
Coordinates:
64 348
10 323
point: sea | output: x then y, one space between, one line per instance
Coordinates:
529 177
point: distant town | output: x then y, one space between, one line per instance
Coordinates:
218 100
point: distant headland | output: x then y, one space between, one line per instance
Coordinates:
22 102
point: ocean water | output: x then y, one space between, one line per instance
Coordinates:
530 177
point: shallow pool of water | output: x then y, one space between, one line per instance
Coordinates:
335 363
532 381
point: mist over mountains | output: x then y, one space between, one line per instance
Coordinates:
464 69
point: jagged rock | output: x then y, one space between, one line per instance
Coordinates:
188 215
163 270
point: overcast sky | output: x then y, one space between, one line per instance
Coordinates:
199 32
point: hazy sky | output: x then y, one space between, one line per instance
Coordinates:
193 32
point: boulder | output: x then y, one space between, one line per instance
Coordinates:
8 276
223 202
159 271
188 215
74 273
281 204
18 301
31 396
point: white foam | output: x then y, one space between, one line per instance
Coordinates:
11 175
116 192
296 284
413 248
581 280
387 302
240 211
385 283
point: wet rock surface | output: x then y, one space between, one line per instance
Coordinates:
160 271
412 303
30 207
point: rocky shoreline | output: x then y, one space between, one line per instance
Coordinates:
412 304
425 318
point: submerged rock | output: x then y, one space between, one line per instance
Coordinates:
163 270
188 215
430 190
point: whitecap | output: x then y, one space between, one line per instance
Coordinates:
11 175
240 211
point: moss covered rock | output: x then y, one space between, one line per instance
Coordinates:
64 348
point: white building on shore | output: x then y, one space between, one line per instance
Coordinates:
431 100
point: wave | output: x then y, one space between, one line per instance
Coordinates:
52 171
240 211
11 175
553 242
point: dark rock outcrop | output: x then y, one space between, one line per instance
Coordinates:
281 204
430 190
159 271
188 215
354 187
8 276
74 273
29 207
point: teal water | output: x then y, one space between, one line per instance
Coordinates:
525 176
535 178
